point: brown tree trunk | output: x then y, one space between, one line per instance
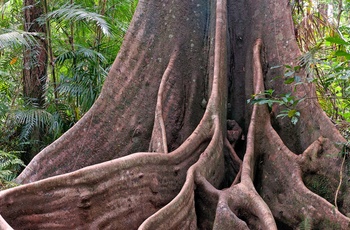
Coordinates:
34 69
35 58
178 90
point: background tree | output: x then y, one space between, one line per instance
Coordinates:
192 61
35 60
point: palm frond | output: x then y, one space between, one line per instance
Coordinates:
70 87
4 73
72 12
9 165
31 118
312 28
81 53
306 224
3 6
11 39
90 54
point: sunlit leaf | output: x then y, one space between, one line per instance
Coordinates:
341 53
337 40
11 39
291 113
71 12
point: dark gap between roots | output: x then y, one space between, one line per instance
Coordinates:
205 207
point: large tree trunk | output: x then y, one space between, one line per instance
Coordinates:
177 95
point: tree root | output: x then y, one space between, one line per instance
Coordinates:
281 169
158 141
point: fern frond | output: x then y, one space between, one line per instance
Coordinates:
90 54
12 39
30 118
4 6
5 173
9 165
72 12
306 224
80 53
70 87
3 73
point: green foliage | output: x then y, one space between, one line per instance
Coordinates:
287 102
75 13
84 38
12 38
10 165
30 117
306 224
81 84
328 66
323 32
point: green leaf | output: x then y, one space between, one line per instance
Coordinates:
11 39
276 66
297 68
289 81
269 92
263 101
346 115
289 73
74 13
341 53
294 120
337 40
282 115
292 113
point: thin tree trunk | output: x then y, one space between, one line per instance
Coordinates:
35 58
50 52
35 70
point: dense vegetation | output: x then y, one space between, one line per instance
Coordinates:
82 39
322 31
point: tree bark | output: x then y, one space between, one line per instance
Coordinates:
35 57
176 95
34 70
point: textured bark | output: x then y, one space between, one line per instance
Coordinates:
34 69
35 58
178 90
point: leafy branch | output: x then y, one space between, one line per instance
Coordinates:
10 165
288 101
